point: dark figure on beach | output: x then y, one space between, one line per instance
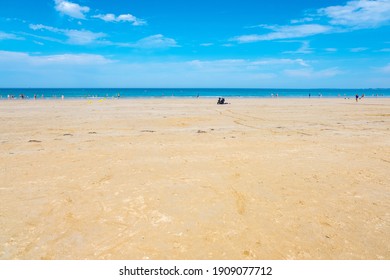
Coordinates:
357 97
221 101
309 95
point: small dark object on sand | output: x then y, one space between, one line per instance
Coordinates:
221 101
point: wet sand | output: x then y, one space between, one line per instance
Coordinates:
188 179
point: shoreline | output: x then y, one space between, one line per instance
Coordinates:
175 98
135 93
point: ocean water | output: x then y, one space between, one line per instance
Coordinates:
77 93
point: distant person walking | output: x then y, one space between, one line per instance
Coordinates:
357 97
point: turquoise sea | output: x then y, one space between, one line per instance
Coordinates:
77 93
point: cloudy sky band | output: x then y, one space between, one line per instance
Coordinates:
103 34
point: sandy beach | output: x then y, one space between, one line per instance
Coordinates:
189 179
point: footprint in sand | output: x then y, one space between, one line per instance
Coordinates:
104 179
240 201
158 218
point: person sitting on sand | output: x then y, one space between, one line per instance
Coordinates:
221 101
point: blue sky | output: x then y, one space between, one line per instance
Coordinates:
176 43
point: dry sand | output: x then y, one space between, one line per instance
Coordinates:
188 179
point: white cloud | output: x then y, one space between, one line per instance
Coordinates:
75 37
356 14
15 19
158 41
106 17
93 70
206 44
74 59
79 12
240 65
22 69
155 41
71 9
83 37
45 38
385 50
221 65
9 36
44 71
312 74
131 18
385 69
44 27
331 49
60 59
121 18
359 13
304 49
358 49
281 61
285 32
302 20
